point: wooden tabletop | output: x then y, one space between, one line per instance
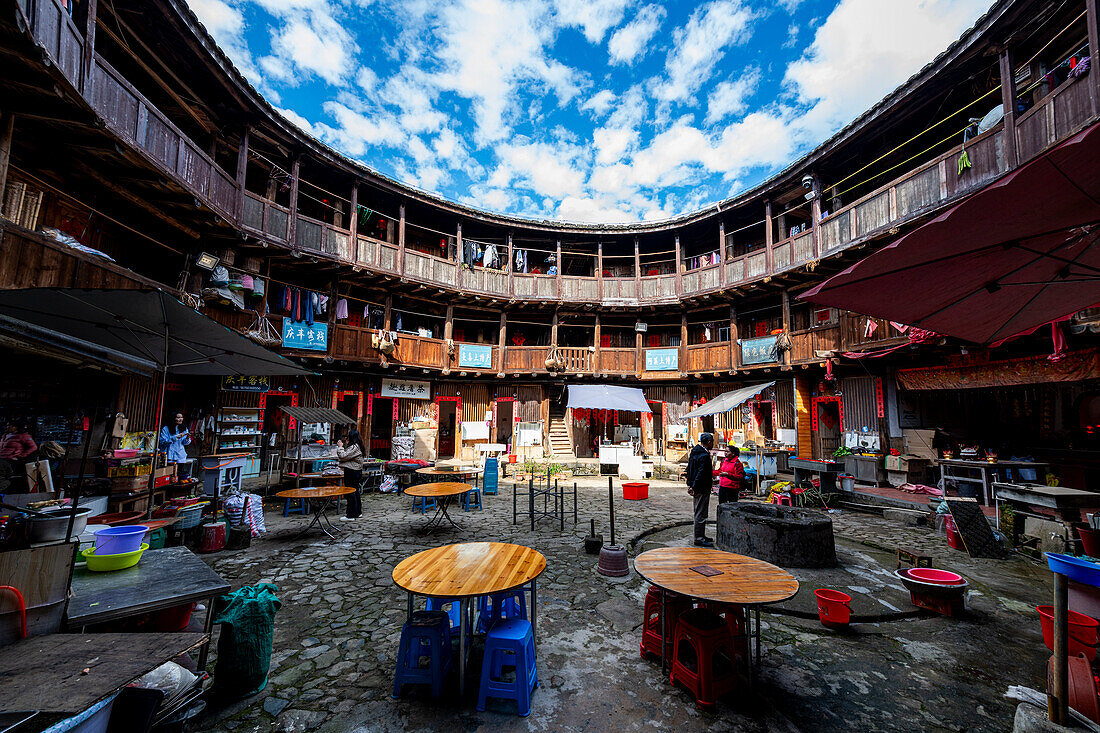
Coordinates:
443 471
469 569
164 578
47 672
443 488
744 580
316 492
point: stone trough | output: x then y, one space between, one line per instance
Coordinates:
785 536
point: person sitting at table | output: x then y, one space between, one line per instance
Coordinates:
731 475
700 481
349 451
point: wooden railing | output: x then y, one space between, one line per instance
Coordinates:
418 351
710 357
353 344
525 358
264 217
580 288
658 287
620 288
59 36
577 359
618 361
805 344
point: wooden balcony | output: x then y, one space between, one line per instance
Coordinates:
618 361
526 359
712 357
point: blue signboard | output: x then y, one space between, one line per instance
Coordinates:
759 350
662 360
302 335
475 356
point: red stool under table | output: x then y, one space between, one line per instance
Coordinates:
651 626
704 635
737 621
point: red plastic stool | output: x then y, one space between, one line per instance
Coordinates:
738 623
651 626
780 500
704 635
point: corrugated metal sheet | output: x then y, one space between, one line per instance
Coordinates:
137 400
318 414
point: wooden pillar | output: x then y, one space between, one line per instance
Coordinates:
448 334
7 132
401 238
502 342
1093 22
1008 100
387 314
459 254
242 171
599 271
787 323
637 271
353 225
722 252
596 345
511 268
679 267
815 216
86 75
769 238
554 330
735 346
558 268
292 226
639 355
1058 695
683 342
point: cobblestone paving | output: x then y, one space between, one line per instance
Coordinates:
337 632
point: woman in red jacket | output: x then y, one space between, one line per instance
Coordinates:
731 475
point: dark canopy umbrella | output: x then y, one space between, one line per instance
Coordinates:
1017 254
148 326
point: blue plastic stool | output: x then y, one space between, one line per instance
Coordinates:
489 485
302 508
453 608
423 504
510 643
509 604
426 634
470 499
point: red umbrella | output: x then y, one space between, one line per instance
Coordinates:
1015 255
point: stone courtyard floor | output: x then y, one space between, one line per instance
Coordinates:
336 634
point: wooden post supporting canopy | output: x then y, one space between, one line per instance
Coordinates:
1008 100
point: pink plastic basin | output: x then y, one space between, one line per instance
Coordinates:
932 575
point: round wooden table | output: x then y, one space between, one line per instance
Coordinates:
742 581
445 492
468 570
320 500
463 471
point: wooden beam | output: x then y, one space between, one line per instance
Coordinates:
353 225
679 268
7 133
502 342
683 341
138 201
92 11
722 252
558 268
1093 22
599 270
459 252
448 334
735 347
292 225
1008 100
787 324
242 171
637 271
511 267
596 345
769 237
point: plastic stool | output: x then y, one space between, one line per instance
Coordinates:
302 508
510 643
453 608
702 638
423 504
675 604
737 622
503 606
491 480
468 502
780 500
426 634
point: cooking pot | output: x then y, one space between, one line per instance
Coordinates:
52 528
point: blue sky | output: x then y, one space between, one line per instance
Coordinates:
580 110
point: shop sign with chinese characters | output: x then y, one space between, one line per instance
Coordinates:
246 384
302 335
475 356
408 388
662 360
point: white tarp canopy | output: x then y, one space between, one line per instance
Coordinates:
728 401
606 397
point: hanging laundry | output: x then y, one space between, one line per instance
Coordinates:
870 328
469 253
310 299
322 304
901 327
491 256
342 309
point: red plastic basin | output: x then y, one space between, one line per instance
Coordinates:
117 518
932 575
833 607
1082 631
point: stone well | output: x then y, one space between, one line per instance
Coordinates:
782 535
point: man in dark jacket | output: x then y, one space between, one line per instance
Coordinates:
700 481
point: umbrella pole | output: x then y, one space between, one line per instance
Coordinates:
156 433
80 477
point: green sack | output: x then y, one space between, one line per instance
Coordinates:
247 617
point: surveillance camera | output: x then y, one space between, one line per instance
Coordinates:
808 182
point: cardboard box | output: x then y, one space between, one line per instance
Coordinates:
424 442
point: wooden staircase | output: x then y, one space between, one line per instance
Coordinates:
560 443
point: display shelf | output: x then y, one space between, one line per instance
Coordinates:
230 420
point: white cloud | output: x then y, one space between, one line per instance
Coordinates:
593 17
866 48
298 120
315 44
790 5
611 143
700 45
630 42
600 102
548 169
731 97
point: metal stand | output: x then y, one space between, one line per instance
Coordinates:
553 501
320 519
441 513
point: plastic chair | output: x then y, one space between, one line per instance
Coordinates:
510 643
702 640
426 634
675 604
492 609
470 499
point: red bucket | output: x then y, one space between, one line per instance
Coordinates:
954 540
1082 631
635 490
1090 541
213 537
833 607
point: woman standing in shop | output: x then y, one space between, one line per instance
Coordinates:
349 451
